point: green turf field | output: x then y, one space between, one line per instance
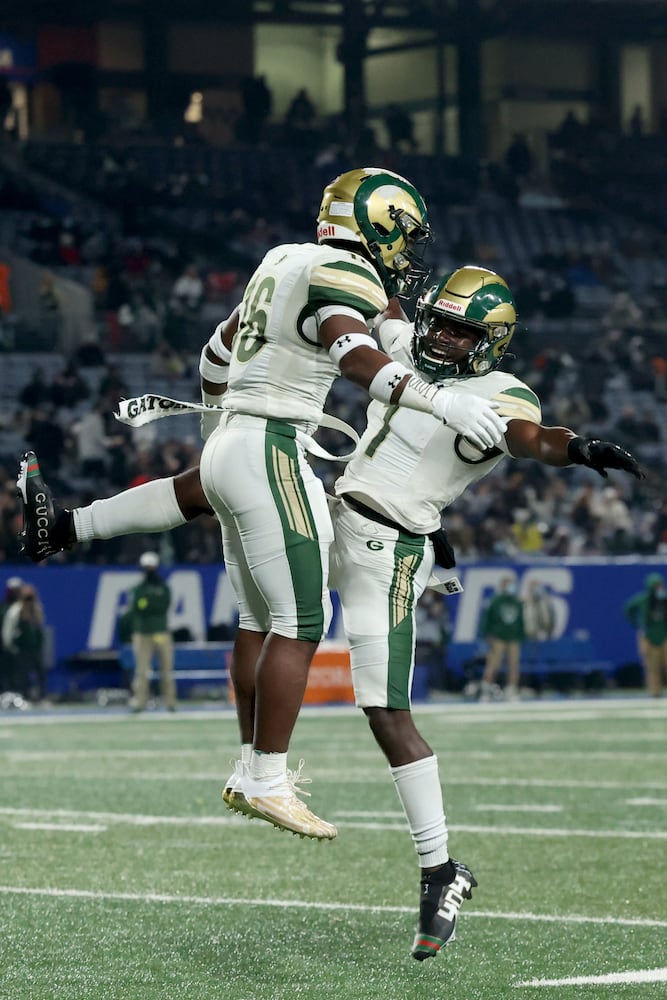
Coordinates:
123 876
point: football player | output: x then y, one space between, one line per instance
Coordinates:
303 320
406 469
387 538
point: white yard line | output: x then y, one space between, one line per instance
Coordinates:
554 783
131 819
455 712
28 755
65 827
137 819
357 777
498 807
646 802
611 979
491 807
522 831
287 904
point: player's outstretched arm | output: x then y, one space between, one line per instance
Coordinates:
559 446
359 359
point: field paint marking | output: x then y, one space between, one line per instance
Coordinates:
67 827
397 814
133 819
359 777
561 754
545 738
530 711
18 756
287 904
491 807
646 802
137 819
611 979
362 813
553 783
521 831
84 754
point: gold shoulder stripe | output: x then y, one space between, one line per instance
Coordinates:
519 402
331 287
514 409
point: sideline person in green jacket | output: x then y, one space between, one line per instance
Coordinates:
503 627
647 612
149 604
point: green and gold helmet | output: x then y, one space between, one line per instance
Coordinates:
472 300
386 215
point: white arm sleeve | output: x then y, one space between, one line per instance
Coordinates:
217 346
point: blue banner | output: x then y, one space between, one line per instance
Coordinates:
82 603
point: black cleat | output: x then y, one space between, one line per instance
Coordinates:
39 514
438 910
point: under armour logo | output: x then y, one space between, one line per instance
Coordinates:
343 340
394 380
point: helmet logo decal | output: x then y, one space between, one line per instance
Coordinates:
455 307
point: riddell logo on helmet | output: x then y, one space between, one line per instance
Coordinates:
455 307
324 231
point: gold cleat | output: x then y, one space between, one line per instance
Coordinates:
277 803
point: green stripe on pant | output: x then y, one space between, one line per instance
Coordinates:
408 557
299 528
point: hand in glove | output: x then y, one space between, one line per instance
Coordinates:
473 417
602 455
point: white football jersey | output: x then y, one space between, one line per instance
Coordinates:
279 369
409 465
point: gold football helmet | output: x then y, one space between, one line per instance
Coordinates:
472 298
385 214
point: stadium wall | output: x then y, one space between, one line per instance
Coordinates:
83 603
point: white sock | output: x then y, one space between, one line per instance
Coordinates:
418 788
149 507
246 753
267 766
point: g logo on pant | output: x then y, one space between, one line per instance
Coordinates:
374 545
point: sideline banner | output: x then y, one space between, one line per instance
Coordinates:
82 603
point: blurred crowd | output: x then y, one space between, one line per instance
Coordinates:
165 235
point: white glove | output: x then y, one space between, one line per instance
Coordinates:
473 417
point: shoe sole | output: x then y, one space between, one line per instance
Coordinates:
282 824
429 947
237 802
22 493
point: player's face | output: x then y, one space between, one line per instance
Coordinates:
449 341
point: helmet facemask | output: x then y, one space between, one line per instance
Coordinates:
403 272
470 300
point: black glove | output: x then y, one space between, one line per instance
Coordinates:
444 553
602 455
